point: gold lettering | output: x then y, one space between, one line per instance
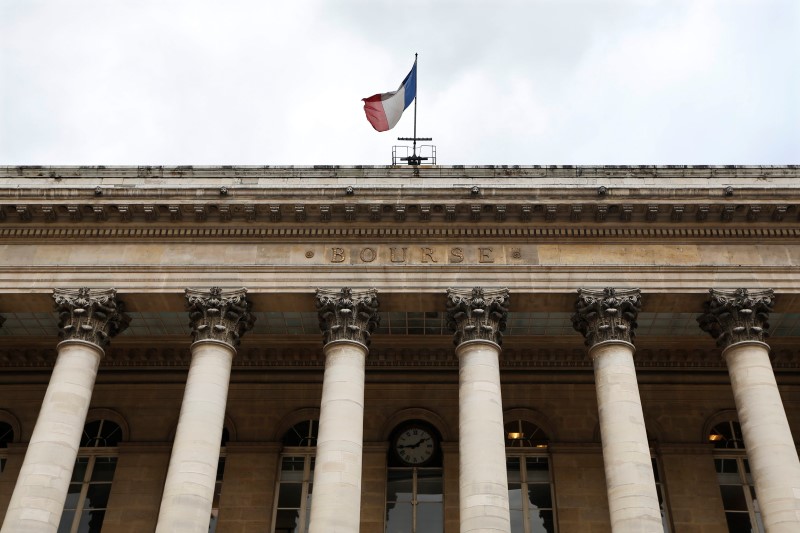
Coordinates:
485 255
427 253
457 255
337 255
394 257
368 255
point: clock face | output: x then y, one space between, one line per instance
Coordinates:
415 445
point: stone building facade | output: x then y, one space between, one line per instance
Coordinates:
399 349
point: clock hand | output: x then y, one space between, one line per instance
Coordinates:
417 445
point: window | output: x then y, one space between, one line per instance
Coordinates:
212 525
415 492
6 436
735 481
296 480
90 487
530 488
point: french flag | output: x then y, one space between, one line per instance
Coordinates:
385 109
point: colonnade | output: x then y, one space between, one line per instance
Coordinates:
606 318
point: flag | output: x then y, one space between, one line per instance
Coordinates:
385 109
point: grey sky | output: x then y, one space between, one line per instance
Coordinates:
500 82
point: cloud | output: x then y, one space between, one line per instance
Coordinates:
504 82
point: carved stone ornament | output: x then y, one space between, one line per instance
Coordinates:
732 316
606 314
347 315
220 315
477 314
91 315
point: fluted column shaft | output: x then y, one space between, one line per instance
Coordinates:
738 320
607 319
477 318
346 320
87 319
218 319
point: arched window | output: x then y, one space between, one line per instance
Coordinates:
735 480
90 486
293 495
6 437
414 480
530 485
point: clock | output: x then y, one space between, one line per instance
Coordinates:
415 445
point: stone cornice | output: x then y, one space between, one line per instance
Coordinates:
515 207
556 233
185 172
783 359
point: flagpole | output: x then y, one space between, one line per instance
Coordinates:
416 93
414 159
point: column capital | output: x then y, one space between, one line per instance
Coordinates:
219 315
733 316
89 315
347 315
609 314
477 314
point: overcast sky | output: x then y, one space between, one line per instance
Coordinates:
194 82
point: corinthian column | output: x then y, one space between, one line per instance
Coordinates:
88 318
607 318
738 321
346 319
218 319
477 318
